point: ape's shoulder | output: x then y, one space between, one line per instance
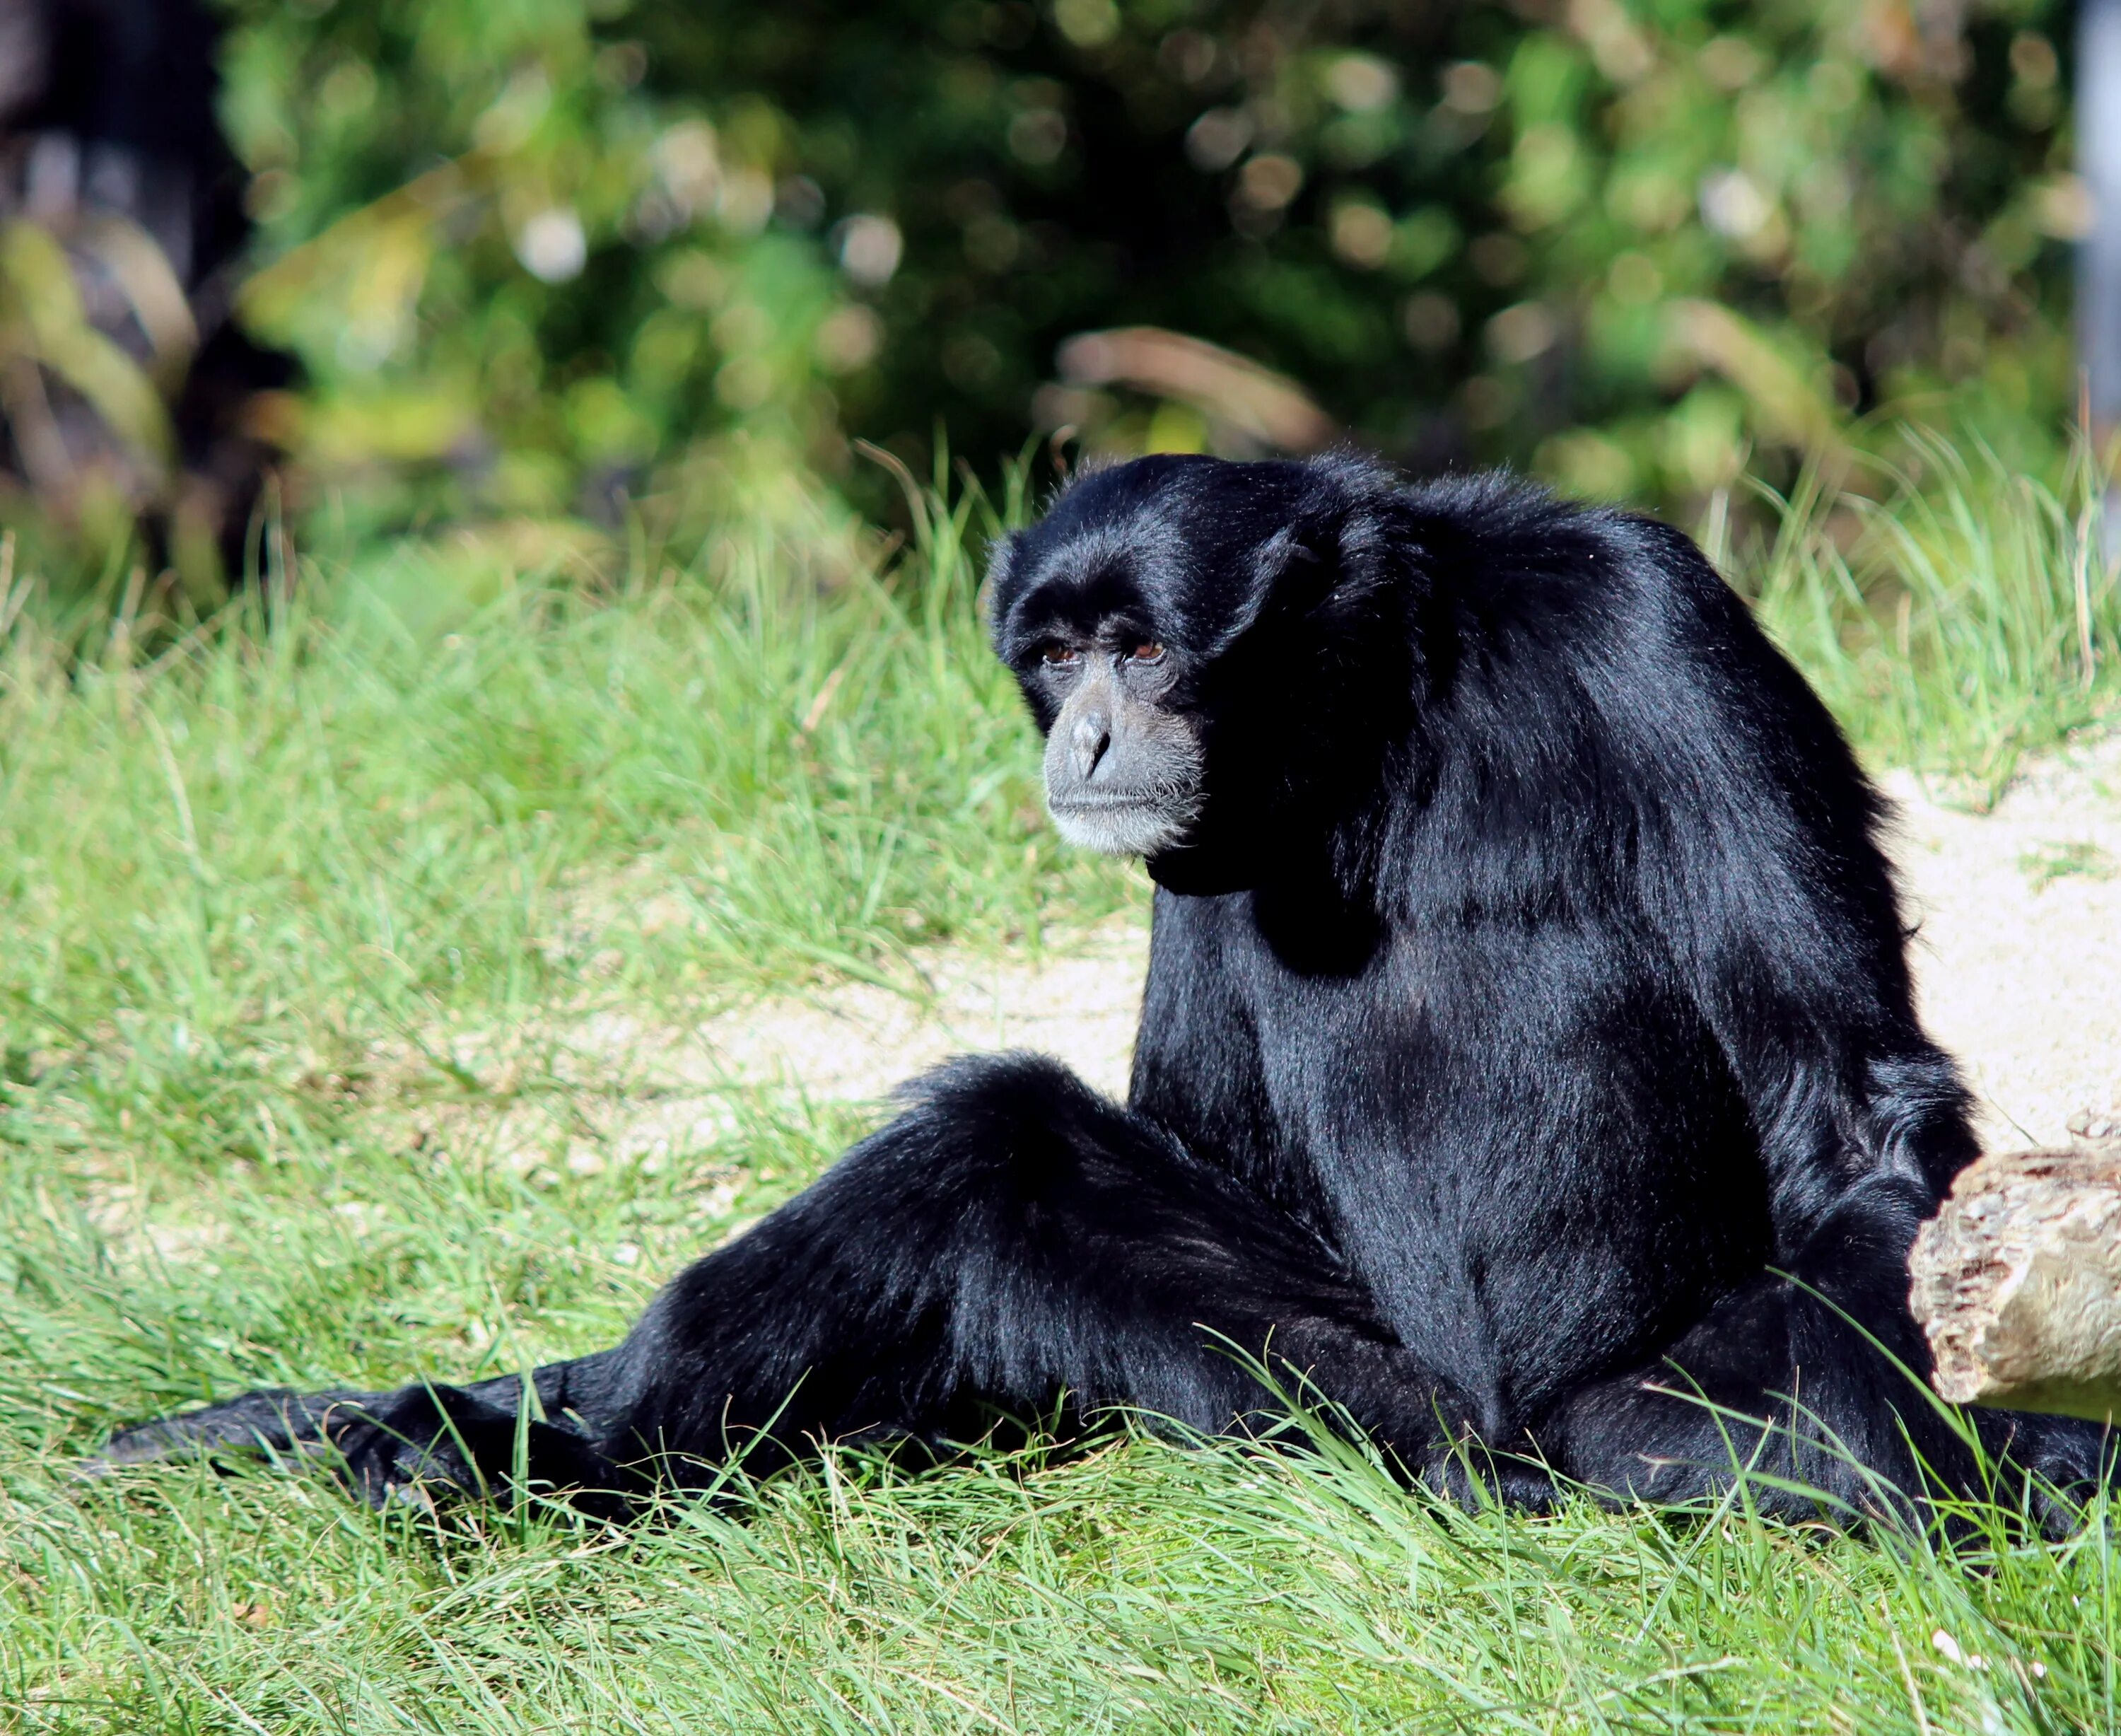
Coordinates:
1544 627
1517 554
1495 530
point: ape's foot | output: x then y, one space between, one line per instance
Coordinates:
416 1444
424 1441
1473 1475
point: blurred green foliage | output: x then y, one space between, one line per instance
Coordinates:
545 257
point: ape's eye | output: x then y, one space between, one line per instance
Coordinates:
1061 656
1147 651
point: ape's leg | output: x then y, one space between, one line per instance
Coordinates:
1012 1241
1779 1379
476 1438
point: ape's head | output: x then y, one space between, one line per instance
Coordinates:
1176 624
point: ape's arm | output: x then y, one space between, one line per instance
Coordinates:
1761 866
1758 866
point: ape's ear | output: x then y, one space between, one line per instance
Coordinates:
1320 560
1001 558
996 588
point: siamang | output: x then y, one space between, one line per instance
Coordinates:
1527 1065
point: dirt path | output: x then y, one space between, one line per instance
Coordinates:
1078 1002
2018 956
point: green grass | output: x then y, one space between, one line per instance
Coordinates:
790 772
265 901
1954 614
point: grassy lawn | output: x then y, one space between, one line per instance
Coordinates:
292 907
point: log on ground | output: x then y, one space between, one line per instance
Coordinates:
2017 1283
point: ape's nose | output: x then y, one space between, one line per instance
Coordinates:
1092 735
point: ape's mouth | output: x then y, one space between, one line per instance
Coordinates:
1115 824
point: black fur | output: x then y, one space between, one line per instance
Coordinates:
1527 995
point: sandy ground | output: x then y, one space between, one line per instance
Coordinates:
2018 956
1079 1002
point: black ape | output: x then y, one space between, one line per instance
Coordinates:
1526 992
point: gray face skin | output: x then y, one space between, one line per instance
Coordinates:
1123 774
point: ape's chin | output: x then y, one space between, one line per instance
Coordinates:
1197 870
1145 829
1286 849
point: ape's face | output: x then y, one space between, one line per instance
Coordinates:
1124 764
1121 613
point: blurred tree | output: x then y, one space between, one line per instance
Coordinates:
127 391
543 256
522 284
1634 239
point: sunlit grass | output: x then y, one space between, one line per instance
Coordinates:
1955 615
249 889
685 784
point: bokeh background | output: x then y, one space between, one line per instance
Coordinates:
588 268
500 765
